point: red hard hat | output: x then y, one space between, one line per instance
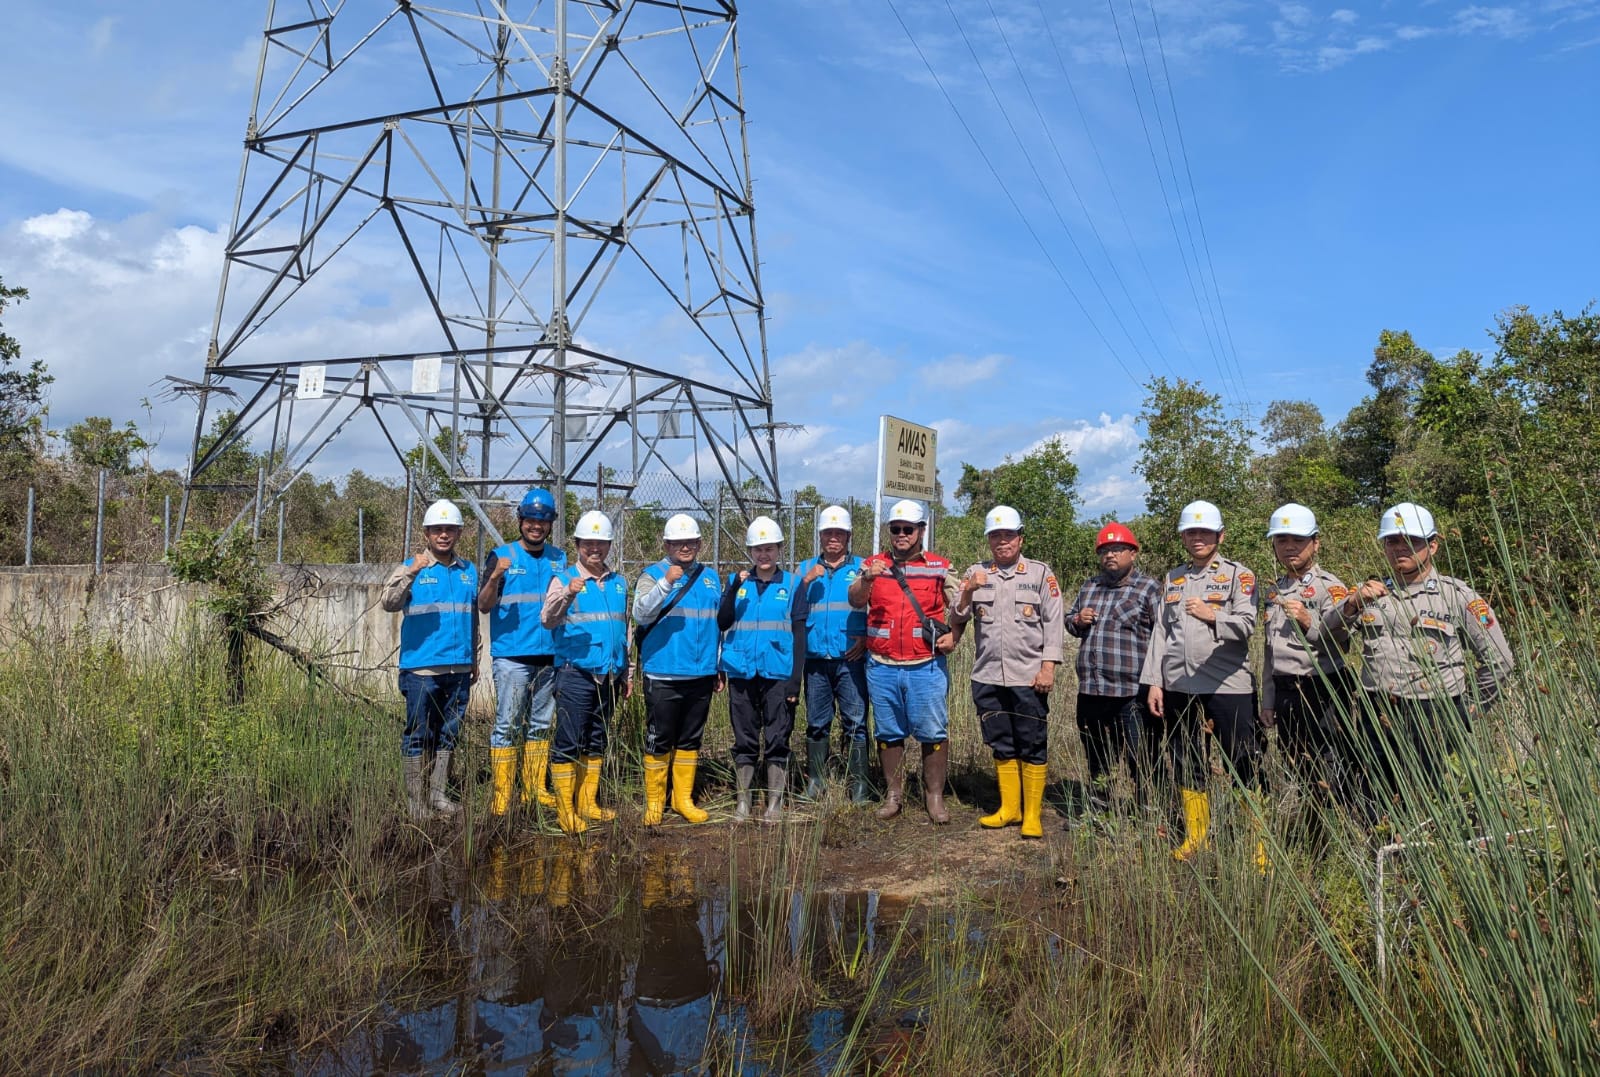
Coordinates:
1115 532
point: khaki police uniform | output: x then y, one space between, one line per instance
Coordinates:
1303 677
1415 682
1203 669
1017 627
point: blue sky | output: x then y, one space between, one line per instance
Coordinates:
1354 167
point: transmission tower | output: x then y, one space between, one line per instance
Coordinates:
553 206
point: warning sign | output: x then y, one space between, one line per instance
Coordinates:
907 459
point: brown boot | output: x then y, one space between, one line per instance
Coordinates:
892 755
935 764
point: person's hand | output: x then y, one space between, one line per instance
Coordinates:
574 587
744 574
975 579
722 683
1200 610
791 699
674 574
1085 617
854 652
1269 718
627 690
946 644
1297 609
501 564
1156 701
1370 591
423 559
1045 679
813 573
873 569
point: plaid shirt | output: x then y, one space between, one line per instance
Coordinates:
1114 645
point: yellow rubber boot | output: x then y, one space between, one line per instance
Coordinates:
683 768
1009 773
563 776
1034 778
535 764
589 790
656 768
1196 821
503 770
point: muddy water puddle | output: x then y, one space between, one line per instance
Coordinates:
557 959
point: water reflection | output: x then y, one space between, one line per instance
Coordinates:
558 963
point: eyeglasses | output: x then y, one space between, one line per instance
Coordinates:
902 529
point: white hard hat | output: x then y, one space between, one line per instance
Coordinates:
762 530
1292 519
910 512
1002 518
593 525
1199 515
680 527
833 516
442 513
1409 519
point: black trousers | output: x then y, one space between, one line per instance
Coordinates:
675 713
1112 727
762 719
1194 719
1402 748
1013 721
1307 709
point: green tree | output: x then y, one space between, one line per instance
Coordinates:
1372 443
1043 487
22 389
1192 450
96 443
431 478
1301 464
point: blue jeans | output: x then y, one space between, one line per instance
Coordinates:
831 681
910 701
524 702
434 706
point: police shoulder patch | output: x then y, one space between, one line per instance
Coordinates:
1055 588
1480 609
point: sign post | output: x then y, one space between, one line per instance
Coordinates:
907 467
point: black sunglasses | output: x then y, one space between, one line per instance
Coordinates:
902 529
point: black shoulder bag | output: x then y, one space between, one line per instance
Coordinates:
933 629
643 631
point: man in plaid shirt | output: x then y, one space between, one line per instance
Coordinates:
1114 615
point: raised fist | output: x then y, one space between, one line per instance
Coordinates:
674 573
975 579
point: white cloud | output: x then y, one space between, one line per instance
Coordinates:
1344 15
1495 21
960 371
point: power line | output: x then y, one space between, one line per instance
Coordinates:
1044 187
1161 182
1006 190
1195 194
1105 174
1105 251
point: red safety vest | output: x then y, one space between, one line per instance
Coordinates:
893 629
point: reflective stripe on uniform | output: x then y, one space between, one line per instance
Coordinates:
440 607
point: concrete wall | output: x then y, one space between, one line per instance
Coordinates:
329 610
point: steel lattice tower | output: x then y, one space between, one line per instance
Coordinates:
565 191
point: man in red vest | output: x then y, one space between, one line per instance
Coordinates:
907 592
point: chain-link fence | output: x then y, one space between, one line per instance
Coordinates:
98 517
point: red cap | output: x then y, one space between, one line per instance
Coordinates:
1115 532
